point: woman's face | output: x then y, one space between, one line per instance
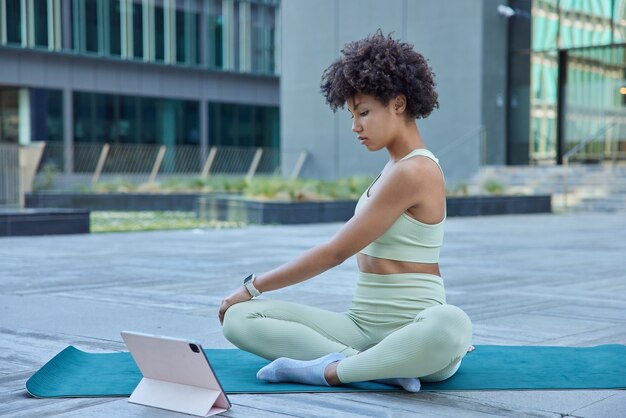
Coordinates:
374 123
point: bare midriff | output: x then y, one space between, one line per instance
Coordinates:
369 264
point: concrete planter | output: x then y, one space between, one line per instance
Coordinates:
498 205
43 222
223 206
238 209
114 201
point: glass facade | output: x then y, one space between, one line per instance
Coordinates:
592 32
135 120
228 35
9 115
46 115
41 107
595 104
243 125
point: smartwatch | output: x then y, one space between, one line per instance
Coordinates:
248 282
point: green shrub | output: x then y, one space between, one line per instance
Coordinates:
460 189
49 173
493 187
119 185
260 187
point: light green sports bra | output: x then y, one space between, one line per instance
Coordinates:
407 239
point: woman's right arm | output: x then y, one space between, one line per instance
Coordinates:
311 263
397 193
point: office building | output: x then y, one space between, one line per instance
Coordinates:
520 82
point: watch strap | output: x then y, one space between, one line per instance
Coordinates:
249 285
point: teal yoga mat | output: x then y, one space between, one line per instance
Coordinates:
75 373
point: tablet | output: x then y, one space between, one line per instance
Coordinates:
177 375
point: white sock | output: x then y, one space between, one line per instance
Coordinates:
309 372
410 384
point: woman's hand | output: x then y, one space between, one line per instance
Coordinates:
239 295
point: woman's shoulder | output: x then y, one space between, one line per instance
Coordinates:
420 168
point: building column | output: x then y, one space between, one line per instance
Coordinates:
66 19
203 34
23 112
169 29
228 35
204 129
168 123
148 28
54 25
168 132
30 22
560 106
3 22
68 131
126 24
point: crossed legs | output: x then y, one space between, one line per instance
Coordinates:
430 347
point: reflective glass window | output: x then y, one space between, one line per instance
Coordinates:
263 33
619 21
82 117
545 25
40 15
9 118
544 80
190 123
595 102
126 125
147 115
215 34
46 115
182 40
585 23
115 27
14 21
138 30
132 120
159 33
91 25
243 125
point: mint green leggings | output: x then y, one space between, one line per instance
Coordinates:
398 326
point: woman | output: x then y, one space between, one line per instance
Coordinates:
399 328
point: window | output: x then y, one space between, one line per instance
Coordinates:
215 33
41 23
114 27
263 38
14 21
91 28
137 30
243 125
134 120
159 33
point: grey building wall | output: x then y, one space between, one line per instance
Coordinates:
465 42
29 68
494 83
69 73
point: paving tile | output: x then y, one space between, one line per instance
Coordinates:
612 407
524 279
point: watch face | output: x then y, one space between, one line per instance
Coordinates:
249 278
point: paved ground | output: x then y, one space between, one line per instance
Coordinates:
537 280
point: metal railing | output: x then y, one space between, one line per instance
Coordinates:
9 176
480 131
147 162
599 134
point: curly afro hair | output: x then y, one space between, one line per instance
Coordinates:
382 67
